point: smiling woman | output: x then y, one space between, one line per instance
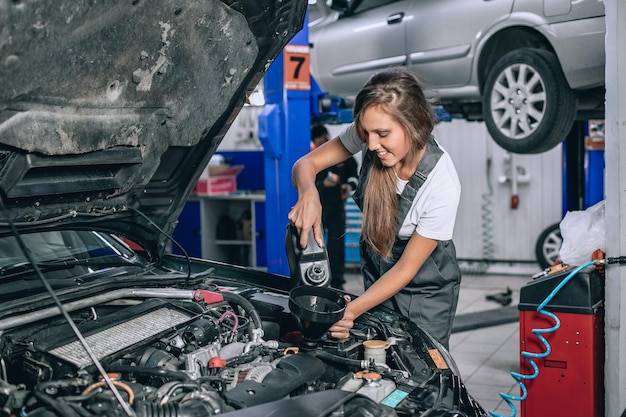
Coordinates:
408 191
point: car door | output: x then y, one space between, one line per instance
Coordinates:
346 50
442 36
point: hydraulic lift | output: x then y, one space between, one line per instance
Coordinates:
292 100
284 131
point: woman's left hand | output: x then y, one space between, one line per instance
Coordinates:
341 329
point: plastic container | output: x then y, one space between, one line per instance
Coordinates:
375 350
375 387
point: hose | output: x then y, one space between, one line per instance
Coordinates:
241 359
245 304
162 372
486 221
340 360
119 384
59 408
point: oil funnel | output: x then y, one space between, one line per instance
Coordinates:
315 309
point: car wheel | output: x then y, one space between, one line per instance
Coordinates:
548 246
528 106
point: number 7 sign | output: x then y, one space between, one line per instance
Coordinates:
296 67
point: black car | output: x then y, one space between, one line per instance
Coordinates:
109 111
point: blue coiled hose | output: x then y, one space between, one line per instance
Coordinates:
539 333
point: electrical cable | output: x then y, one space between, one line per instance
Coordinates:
529 356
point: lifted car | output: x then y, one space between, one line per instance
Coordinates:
528 68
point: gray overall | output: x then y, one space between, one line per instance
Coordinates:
430 299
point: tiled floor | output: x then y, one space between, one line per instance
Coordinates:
486 356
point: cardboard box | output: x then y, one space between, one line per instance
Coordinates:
222 179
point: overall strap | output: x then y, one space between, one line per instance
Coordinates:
431 156
432 153
367 156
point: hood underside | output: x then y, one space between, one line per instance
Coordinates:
109 111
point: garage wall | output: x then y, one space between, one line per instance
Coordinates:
243 134
487 226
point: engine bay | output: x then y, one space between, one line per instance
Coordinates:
215 350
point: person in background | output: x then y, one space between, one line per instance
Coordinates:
409 193
334 185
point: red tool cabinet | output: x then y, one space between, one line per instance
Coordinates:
571 378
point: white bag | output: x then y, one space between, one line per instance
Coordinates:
583 232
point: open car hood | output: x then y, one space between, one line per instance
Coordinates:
109 111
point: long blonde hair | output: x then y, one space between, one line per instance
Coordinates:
399 93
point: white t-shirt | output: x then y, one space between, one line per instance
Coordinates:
433 211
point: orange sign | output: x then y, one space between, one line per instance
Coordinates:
297 75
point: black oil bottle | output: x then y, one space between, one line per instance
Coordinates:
307 266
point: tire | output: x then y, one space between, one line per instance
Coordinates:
548 246
528 106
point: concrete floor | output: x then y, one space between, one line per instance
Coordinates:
486 356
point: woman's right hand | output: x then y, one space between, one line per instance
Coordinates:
307 214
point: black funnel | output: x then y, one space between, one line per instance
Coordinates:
315 309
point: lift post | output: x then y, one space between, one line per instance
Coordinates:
284 131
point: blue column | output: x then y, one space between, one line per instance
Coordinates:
583 167
594 166
284 130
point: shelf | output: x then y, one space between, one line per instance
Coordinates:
233 242
241 196
231 214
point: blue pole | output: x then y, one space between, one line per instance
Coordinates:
594 168
284 130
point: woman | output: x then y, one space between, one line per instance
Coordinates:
409 193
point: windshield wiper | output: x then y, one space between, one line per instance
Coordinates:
22 267
100 261
68 263
15 268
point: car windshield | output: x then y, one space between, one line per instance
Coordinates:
68 247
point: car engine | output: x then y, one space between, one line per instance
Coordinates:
210 351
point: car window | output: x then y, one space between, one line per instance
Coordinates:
366 5
56 245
